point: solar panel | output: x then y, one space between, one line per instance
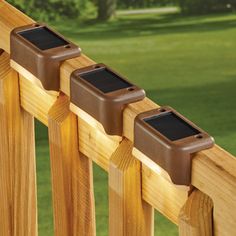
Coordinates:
43 38
105 80
171 126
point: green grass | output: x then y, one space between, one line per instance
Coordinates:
185 62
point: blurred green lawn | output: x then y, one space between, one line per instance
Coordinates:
185 62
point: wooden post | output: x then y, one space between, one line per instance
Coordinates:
129 215
18 205
72 182
213 170
195 217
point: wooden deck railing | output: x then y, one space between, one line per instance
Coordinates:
76 141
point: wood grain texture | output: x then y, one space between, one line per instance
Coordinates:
68 67
212 170
163 195
196 216
131 111
26 74
18 205
99 147
208 166
10 18
5 163
95 144
214 174
38 103
72 180
129 215
92 122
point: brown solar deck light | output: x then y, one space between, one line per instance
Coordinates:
155 146
103 94
168 140
41 50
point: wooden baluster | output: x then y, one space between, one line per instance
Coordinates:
18 205
195 217
129 215
72 182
